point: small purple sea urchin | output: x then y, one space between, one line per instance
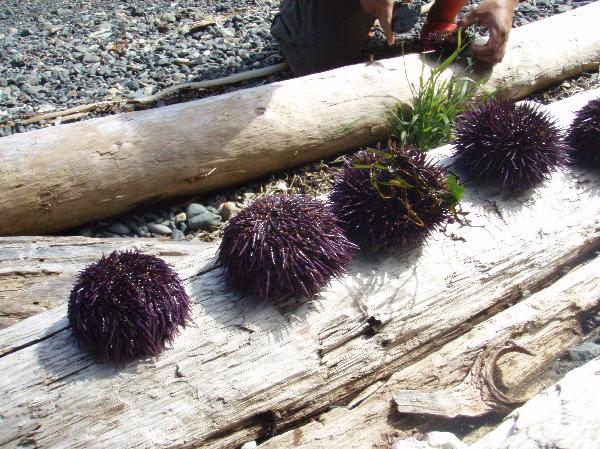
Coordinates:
584 134
126 305
394 199
512 146
284 244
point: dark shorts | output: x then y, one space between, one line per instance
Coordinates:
318 35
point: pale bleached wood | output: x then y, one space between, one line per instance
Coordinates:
86 171
247 363
476 395
563 416
548 322
31 267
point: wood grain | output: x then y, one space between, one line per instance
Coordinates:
547 322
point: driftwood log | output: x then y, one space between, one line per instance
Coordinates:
562 416
547 322
249 368
30 267
85 171
565 415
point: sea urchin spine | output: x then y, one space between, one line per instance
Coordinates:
126 305
284 244
584 134
392 199
508 145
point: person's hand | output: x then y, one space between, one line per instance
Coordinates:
497 17
382 10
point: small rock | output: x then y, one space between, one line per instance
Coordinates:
104 27
180 217
177 235
194 209
249 196
141 231
433 440
219 199
249 445
46 108
224 32
161 229
206 220
11 30
212 209
91 58
52 29
169 17
527 7
183 227
584 352
86 232
563 8
132 85
281 186
109 235
119 228
228 210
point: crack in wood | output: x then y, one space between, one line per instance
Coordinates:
32 342
59 380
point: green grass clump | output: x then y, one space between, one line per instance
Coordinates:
435 106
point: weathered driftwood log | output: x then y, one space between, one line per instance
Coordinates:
477 394
86 171
250 366
561 416
564 415
547 322
31 267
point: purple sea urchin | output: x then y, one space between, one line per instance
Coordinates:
584 134
512 146
392 199
126 305
284 244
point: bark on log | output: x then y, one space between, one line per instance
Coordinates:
37 273
118 162
251 365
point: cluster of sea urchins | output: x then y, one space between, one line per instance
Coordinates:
508 145
126 305
392 200
584 134
284 244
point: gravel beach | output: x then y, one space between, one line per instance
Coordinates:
61 54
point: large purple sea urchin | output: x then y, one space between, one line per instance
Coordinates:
284 244
126 305
584 134
396 199
508 145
